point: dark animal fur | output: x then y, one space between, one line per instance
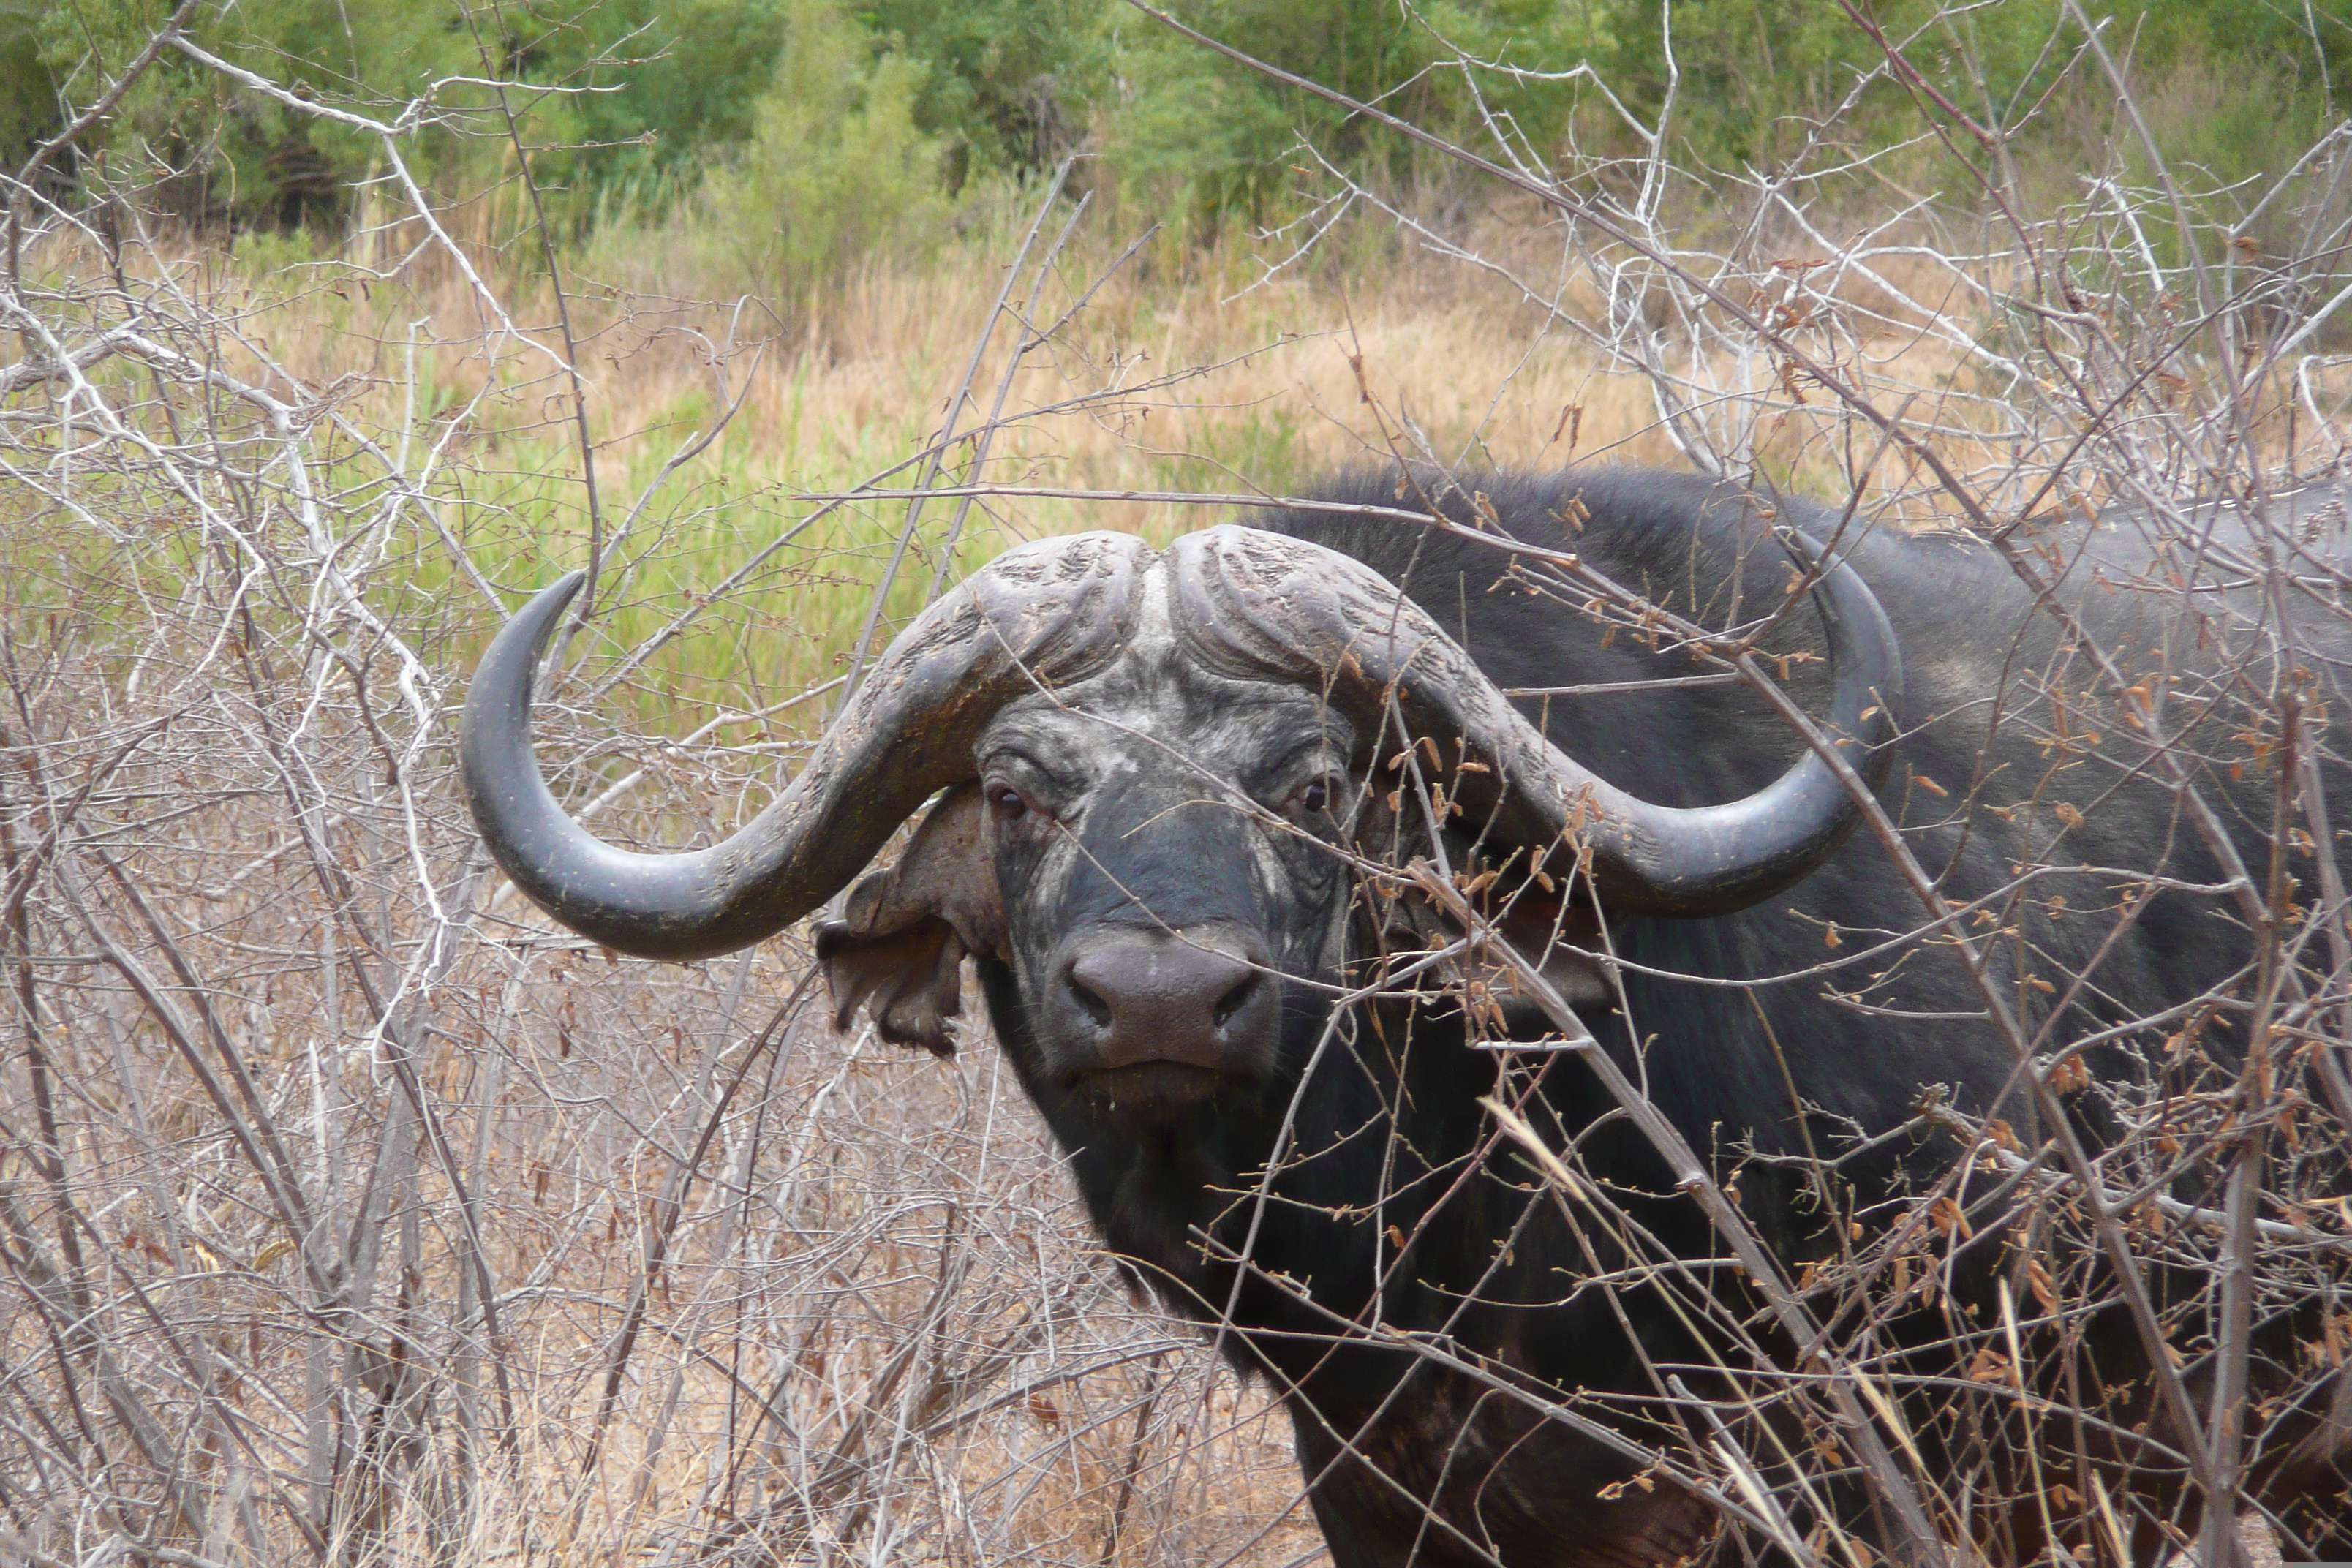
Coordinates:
1388 1130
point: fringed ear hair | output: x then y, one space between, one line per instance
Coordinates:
897 943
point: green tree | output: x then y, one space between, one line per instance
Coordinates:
1011 81
1756 73
697 99
217 151
690 73
1224 135
835 169
28 96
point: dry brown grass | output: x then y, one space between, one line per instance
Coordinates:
877 1327
352 1208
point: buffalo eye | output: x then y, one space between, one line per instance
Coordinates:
1007 803
1316 796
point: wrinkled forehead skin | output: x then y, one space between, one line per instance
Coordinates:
1166 779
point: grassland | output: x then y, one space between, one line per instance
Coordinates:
624 1261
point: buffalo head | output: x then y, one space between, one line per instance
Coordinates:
1152 772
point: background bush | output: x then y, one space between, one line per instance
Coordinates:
280 445
654 104
834 167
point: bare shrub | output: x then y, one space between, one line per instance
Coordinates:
1991 366
354 1211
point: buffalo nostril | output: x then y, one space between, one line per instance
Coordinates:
1134 997
1235 999
1094 1006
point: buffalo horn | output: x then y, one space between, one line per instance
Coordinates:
1264 604
1046 613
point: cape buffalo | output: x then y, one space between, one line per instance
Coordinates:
1198 818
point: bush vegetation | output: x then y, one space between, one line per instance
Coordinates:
620 1262
897 107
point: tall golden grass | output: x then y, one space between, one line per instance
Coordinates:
762 1291
853 1306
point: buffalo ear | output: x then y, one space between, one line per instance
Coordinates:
1543 933
897 941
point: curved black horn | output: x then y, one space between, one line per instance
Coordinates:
1050 612
1258 602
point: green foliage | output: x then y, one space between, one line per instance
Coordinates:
818 132
1756 74
28 100
835 169
1193 133
688 72
229 154
1011 80
1191 126
1005 84
79 48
